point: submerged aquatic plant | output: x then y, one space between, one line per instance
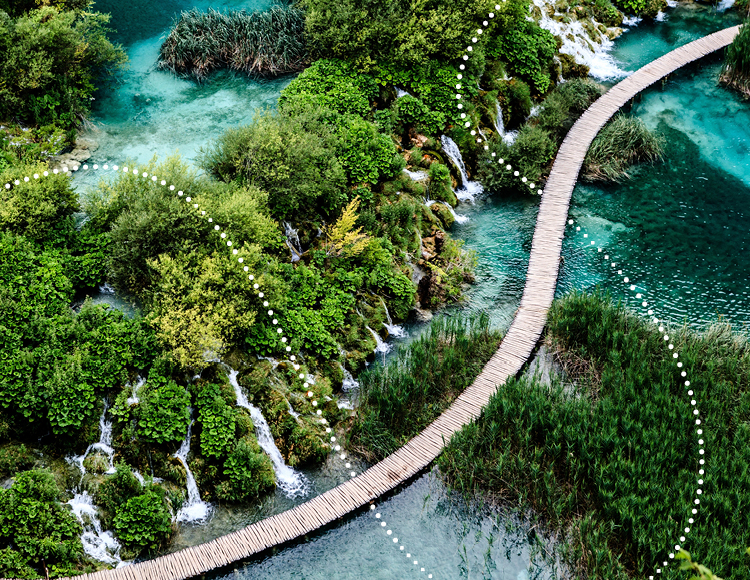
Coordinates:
263 43
621 143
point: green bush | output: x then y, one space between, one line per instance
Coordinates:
163 413
366 155
736 70
36 530
441 186
412 112
15 458
529 51
115 491
249 472
332 84
217 421
51 59
606 13
515 100
143 522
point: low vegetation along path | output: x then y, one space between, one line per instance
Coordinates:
513 352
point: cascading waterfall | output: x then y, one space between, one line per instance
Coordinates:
416 175
291 482
292 241
100 544
461 219
401 93
469 189
395 330
133 399
195 510
577 43
380 345
508 137
97 543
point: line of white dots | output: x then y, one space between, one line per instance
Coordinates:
395 541
223 235
459 96
645 304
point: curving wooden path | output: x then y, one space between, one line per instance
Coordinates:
513 352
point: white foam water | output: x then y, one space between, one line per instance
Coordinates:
104 445
469 189
401 93
380 345
291 482
461 219
292 241
722 6
417 175
195 510
133 399
631 20
100 544
106 289
394 330
582 47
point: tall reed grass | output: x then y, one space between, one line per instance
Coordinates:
257 43
400 399
736 70
621 143
614 465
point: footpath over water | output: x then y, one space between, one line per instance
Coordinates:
513 352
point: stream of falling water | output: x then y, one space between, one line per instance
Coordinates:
195 510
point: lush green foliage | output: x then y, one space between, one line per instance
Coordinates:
216 419
529 51
143 522
400 399
736 70
609 457
51 59
36 531
408 33
249 472
116 490
269 42
621 142
163 414
332 84
366 155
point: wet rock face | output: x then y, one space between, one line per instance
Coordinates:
82 152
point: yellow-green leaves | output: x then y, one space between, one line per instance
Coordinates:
341 237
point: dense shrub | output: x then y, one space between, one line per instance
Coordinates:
514 96
216 418
366 155
268 43
36 531
163 414
15 458
143 522
249 472
51 59
332 84
115 491
412 112
529 51
736 70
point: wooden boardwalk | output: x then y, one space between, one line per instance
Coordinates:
513 352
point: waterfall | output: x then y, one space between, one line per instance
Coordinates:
292 412
720 7
104 445
461 219
468 189
578 44
508 137
100 544
394 330
417 175
291 482
292 241
380 344
195 510
401 93
106 289
132 400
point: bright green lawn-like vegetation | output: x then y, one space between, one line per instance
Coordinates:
609 454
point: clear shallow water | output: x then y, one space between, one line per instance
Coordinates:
153 112
445 539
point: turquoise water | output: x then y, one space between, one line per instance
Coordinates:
152 112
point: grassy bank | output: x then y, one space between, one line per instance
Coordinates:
613 461
400 399
258 43
736 70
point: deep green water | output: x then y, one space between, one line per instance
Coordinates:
680 228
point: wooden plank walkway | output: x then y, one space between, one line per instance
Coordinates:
513 352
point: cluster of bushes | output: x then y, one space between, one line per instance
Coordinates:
52 57
607 456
